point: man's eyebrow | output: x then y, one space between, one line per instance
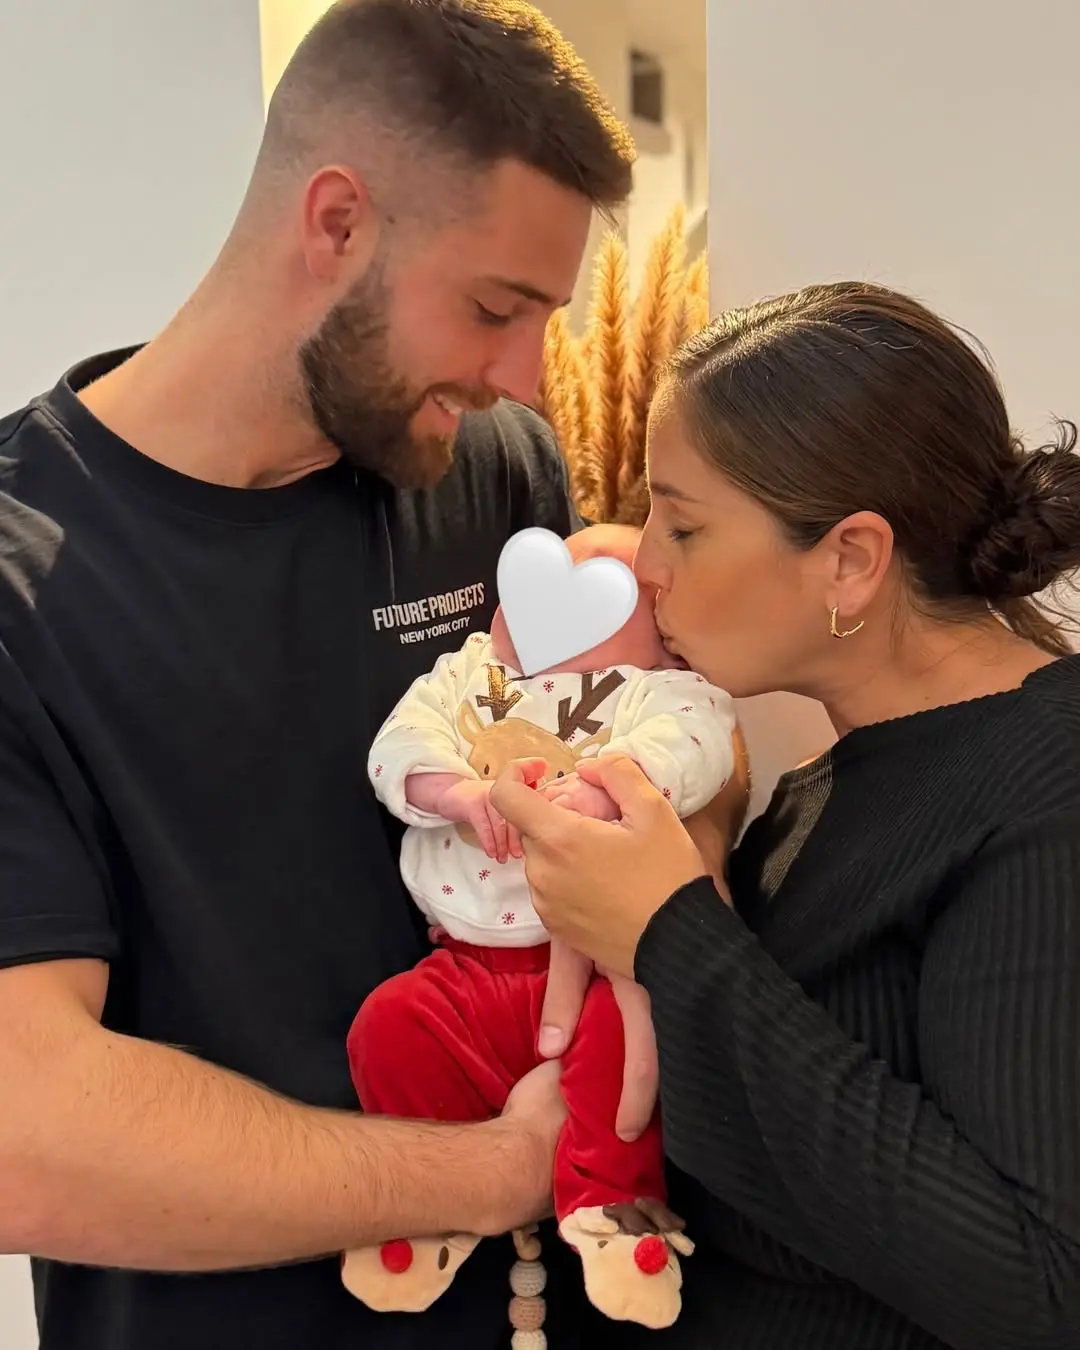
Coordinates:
529 292
672 493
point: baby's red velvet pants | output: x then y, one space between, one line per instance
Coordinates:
449 1039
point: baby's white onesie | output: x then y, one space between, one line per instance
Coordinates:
472 714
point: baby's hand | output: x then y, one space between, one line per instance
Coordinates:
468 801
577 795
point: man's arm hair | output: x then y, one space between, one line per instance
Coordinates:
121 1152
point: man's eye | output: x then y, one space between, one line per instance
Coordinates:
489 316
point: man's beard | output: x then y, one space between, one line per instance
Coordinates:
360 404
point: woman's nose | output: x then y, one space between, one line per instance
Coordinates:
647 566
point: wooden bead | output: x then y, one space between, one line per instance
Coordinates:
527 1246
528 1278
529 1340
527 1314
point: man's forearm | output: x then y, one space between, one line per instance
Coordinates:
137 1155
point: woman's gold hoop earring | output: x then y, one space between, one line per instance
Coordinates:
837 633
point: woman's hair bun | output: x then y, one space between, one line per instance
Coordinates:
1030 534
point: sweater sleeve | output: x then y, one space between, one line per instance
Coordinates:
955 1201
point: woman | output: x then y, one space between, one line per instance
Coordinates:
870 1061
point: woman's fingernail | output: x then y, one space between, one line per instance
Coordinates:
550 1041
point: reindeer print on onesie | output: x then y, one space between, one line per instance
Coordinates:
448 1039
554 717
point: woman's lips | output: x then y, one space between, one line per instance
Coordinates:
674 652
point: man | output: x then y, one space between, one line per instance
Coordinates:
223 556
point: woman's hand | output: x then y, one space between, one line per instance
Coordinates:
597 884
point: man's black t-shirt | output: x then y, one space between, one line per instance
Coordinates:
190 678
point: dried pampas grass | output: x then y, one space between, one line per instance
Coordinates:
596 388
694 307
653 332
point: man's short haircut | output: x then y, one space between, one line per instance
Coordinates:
404 88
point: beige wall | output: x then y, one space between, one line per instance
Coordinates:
926 146
283 24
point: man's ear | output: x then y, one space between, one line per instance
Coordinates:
340 229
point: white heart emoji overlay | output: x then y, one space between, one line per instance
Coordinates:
554 609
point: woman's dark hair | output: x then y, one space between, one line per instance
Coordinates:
851 397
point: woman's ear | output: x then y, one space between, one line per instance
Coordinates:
859 551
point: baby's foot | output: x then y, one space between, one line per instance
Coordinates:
406 1275
628 1253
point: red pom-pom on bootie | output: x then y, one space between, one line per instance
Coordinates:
396 1256
650 1254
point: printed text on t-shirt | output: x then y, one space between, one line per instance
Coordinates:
431 616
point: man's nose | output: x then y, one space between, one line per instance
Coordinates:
517 366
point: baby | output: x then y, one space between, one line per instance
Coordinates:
448 1039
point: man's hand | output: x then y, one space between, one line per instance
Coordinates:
534 1109
130 1154
585 798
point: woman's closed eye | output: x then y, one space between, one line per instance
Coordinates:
679 535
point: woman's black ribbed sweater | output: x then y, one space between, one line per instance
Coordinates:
871 1071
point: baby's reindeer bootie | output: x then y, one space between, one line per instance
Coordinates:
407 1275
628 1253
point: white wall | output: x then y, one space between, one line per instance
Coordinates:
127 130
126 133
926 146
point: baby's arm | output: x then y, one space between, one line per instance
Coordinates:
449 797
415 757
680 730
